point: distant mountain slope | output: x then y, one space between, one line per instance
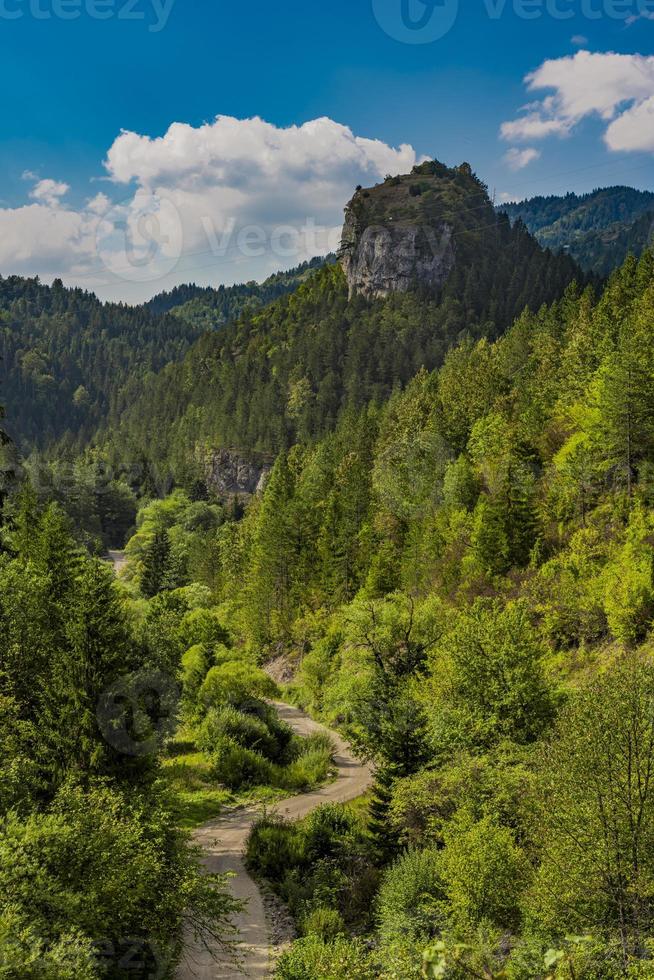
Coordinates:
207 308
70 363
287 373
598 229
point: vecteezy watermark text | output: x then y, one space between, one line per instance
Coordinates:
426 21
153 13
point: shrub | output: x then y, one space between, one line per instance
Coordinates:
310 958
24 955
237 767
310 768
195 663
202 626
272 848
328 830
409 896
323 922
484 873
244 729
235 683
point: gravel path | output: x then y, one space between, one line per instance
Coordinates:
223 841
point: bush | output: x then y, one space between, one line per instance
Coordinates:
409 896
312 958
323 922
235 683
272 848
24 955
484 873
202 626
195 663
310 768
237 767
244 729
329 830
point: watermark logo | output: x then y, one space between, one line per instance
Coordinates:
138 712
153 14
142 239
416 21
426 21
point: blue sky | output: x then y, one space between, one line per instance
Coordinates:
70 86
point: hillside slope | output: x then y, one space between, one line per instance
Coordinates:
598 229
287 373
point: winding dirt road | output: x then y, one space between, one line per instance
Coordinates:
223 842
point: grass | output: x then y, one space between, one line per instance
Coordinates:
199 798
360 806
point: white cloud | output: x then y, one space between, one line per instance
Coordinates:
617 88
579 40
49 191
634 129
216 195
518 159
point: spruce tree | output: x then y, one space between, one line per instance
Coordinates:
155 564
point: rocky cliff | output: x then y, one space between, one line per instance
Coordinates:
230 473
401 235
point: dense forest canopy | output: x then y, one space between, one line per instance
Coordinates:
461 579
599 229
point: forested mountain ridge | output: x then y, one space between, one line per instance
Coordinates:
208 308
69 362
598 229
288 372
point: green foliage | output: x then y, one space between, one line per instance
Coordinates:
89 854
314 957
410 896
595 779
317 864
484 874
490 679
235 683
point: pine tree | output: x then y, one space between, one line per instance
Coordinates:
155 564
386 844
96 656
273 553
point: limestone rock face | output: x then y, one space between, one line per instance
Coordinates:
230 473
400 235
395 258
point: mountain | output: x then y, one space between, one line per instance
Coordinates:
425 261
207 308
598 229
69 363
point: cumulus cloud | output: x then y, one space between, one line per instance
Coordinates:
49 191
617 88
517 159
233 198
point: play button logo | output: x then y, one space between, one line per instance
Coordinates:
416 21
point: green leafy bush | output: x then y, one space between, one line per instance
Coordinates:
313 958
273 847
323 922
237 767
246 730
235 682
409 897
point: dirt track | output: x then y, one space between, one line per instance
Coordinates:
223 841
